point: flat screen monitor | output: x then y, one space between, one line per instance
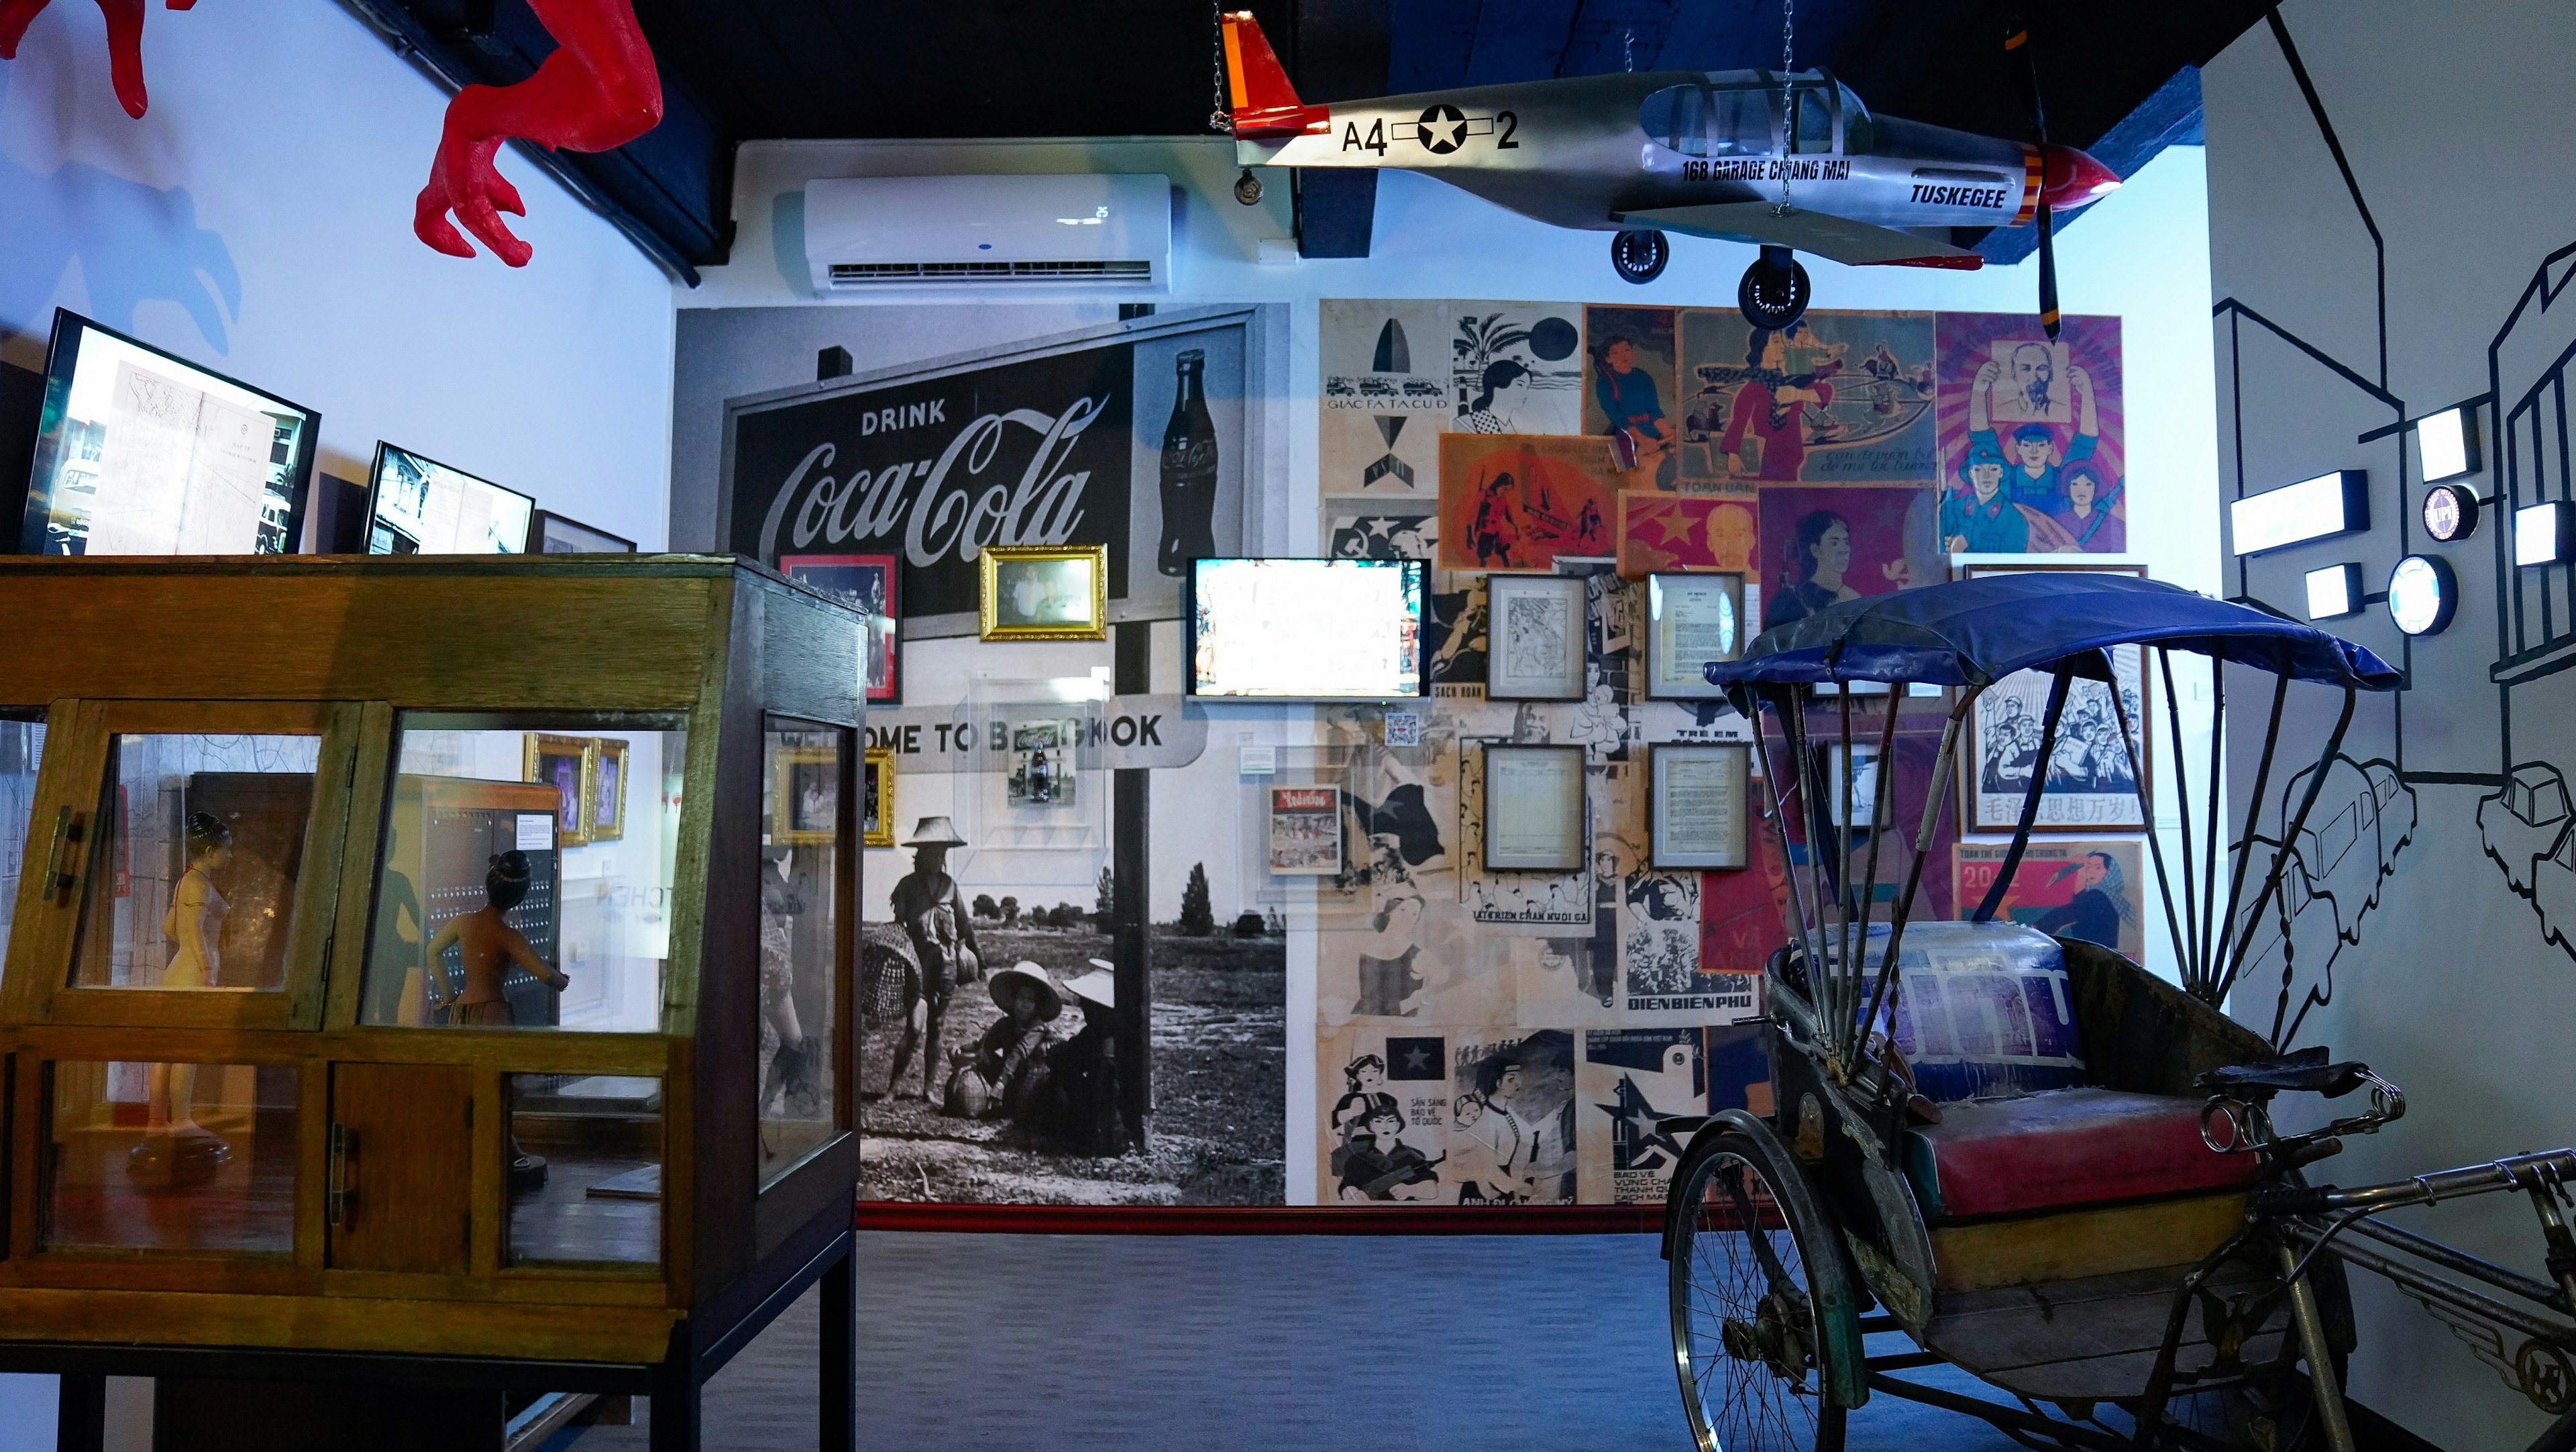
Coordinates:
419 506
141 453
1306 630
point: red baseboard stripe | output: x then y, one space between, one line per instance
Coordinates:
1262 1220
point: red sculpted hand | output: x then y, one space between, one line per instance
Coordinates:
124 42
597 91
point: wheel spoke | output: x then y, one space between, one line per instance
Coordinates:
1745 1322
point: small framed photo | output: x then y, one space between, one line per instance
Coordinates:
1534 638
550 533
1305 831
1535 819
805 796
876 804
569 765
867 584
1045 592
1691 620
1696 813
608 791
1042 766
1864 784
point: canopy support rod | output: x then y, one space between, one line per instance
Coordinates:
2146 799
1846 973
2217 826
1780 828
2281 859
2244 846
1882 816
2183 944
1937 796
2057 686
1812 810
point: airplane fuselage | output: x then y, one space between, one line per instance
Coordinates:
1584 152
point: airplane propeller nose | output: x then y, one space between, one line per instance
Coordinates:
2070 179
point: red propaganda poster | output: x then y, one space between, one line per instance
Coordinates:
1517 501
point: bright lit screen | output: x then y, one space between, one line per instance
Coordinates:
1307 629
2296 513
423 507
2442 445
2334 590
146 455
2540 533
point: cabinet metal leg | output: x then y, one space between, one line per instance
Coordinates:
675 1406
80 1416
839 1369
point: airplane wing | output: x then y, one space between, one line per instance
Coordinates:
1820 233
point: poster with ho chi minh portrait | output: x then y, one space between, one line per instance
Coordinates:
2033 456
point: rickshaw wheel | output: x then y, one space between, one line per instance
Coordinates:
1764 1323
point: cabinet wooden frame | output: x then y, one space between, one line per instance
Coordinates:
709 646
43 942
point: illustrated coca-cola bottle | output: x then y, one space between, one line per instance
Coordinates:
1189 472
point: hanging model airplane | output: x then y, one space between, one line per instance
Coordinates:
1710 154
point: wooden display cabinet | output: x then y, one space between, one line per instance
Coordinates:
263 1120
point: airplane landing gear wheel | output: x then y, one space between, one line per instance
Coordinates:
1639 255
1774 291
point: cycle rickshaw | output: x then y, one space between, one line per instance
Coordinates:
2098 1216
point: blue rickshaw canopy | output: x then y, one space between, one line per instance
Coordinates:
1975 632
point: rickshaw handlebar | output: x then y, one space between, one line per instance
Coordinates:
2551 1169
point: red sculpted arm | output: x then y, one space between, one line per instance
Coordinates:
597 91
124 42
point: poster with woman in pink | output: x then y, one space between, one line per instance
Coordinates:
2032 456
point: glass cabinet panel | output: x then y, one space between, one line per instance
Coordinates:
584 1168
172 1157
192 881
800 877
524 878
22 749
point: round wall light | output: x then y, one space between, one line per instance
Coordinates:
2450 512
2422 593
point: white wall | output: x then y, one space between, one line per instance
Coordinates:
258 220
2449 990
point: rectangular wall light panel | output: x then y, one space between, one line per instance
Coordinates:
2446 444
2319 508
2334 591
2540 532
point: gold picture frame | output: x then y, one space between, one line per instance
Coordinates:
876 800
797 817
608 790
546 760
1027 593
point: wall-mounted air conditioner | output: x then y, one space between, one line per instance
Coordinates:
867 233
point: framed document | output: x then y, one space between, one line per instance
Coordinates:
1691 620
1534 638
1695 809
1534 812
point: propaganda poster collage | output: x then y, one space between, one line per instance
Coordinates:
1488 1036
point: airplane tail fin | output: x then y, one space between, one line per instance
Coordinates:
1265 104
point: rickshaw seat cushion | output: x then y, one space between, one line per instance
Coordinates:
2064 1148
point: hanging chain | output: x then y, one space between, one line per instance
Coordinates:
1788 101
1221 119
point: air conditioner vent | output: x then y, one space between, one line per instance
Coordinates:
1077 231
884 274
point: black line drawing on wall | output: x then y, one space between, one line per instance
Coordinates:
2336 870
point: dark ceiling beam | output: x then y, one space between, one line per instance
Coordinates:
1340 54
667 190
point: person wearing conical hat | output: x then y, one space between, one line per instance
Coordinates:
990 1075
1071 1098
933 915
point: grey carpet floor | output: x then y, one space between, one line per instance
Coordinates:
1312 1343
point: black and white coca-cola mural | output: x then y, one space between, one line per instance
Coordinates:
1133 435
